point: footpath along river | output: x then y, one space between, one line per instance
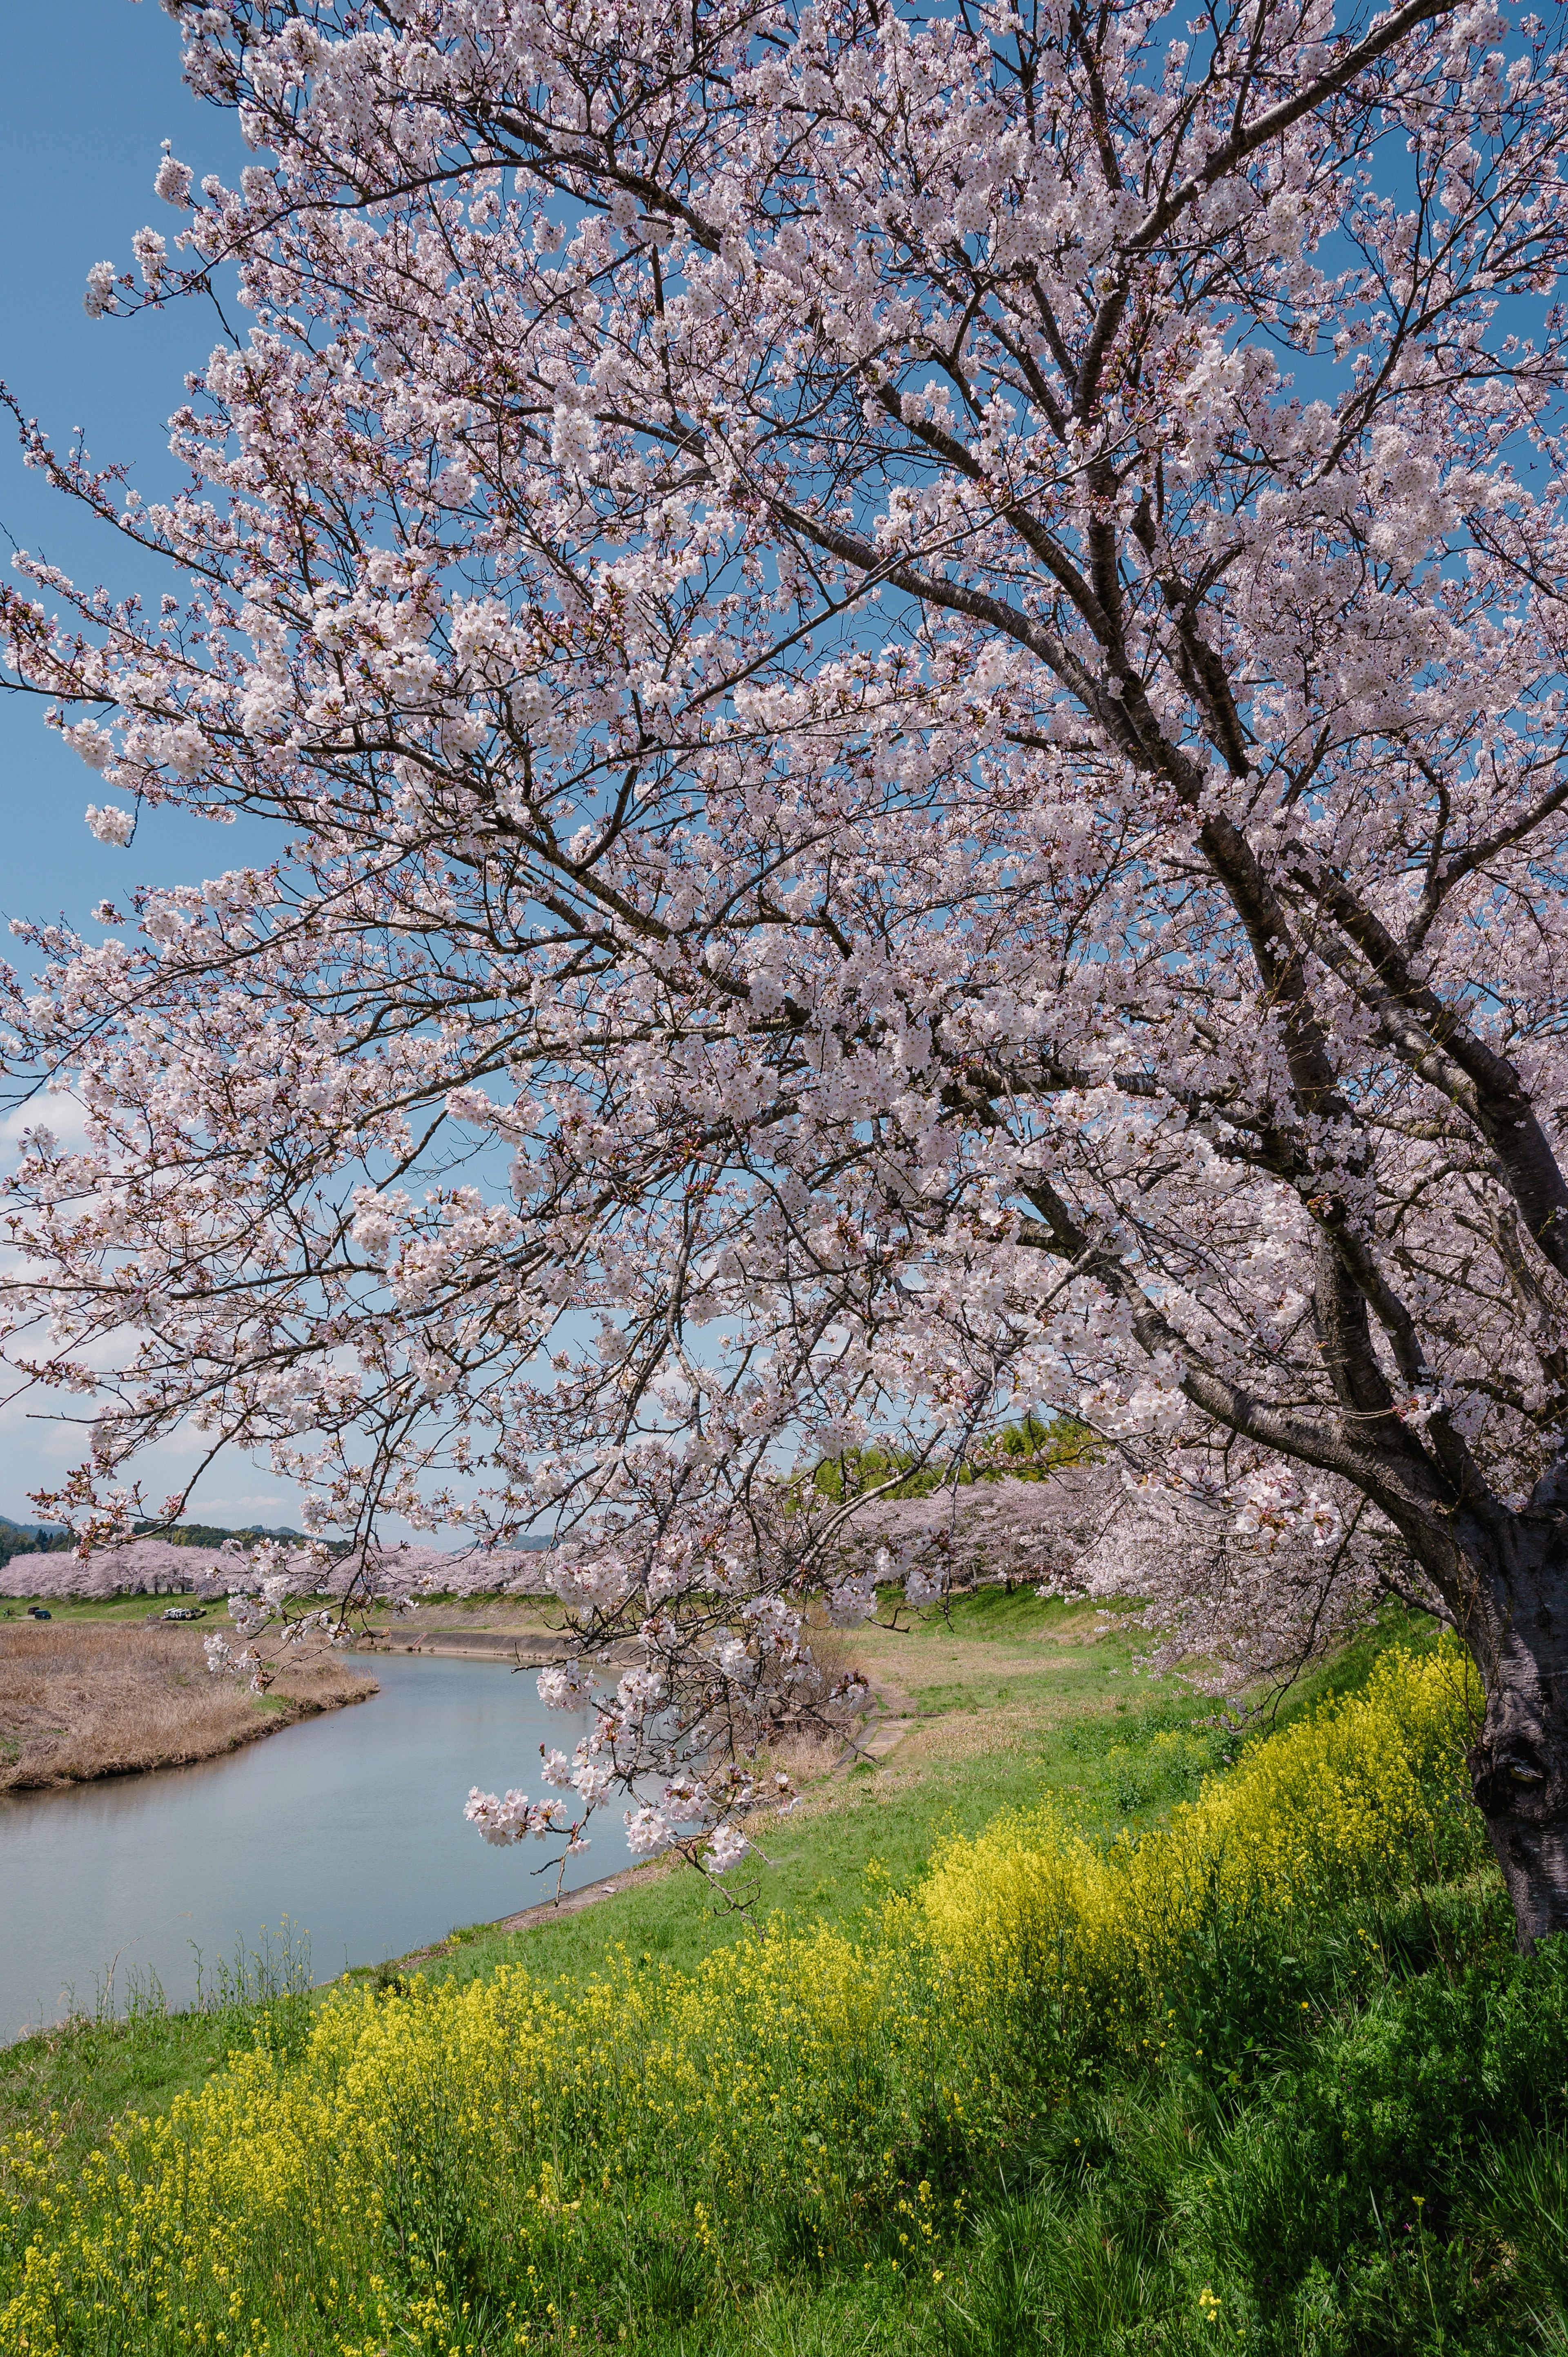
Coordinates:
351 1825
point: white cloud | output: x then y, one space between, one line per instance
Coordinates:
60 1115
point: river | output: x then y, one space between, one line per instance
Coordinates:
350 1825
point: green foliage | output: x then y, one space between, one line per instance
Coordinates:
1028 1450
18 1538
215 1534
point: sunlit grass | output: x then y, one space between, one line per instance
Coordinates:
1062 2094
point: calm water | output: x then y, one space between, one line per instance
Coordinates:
351 1825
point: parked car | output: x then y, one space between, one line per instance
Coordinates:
36 1612
186 1612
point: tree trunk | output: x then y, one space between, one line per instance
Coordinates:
1514 1620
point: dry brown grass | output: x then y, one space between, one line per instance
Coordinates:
85 1699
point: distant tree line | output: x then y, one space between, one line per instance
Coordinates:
24 1538
18 1538
210 1534
1028 1450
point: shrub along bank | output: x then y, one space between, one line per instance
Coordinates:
1265 2075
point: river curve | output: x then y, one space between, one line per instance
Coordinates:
349 1824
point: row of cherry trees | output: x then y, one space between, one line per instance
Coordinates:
148 1566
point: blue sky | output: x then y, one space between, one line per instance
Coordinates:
93 88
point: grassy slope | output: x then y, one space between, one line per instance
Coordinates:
1382 2172
1017 1699
131 1609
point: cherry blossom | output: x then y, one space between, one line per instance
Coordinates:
908 667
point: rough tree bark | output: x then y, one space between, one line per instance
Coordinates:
1513 1614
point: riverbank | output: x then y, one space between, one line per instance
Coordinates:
526 1631
1012 1699
525 1649
81 1700
963 2081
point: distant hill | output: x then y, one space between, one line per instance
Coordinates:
211 1534
30 1538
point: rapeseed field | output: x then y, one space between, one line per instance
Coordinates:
1057 2079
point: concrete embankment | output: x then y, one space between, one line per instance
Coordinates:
528 1650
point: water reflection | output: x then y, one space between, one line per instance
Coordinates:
350 1825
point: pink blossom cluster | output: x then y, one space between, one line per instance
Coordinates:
1234 1576
139 1568
694 1814
512 1816
1230 1599
1005 1528
454 1572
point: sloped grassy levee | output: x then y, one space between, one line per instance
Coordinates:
1265 2077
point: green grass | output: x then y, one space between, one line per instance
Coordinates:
1398 2187
132 1609
128 2053
76 2078
1358 2145
1088 1731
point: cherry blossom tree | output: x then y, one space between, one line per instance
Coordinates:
918 658
392 1575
